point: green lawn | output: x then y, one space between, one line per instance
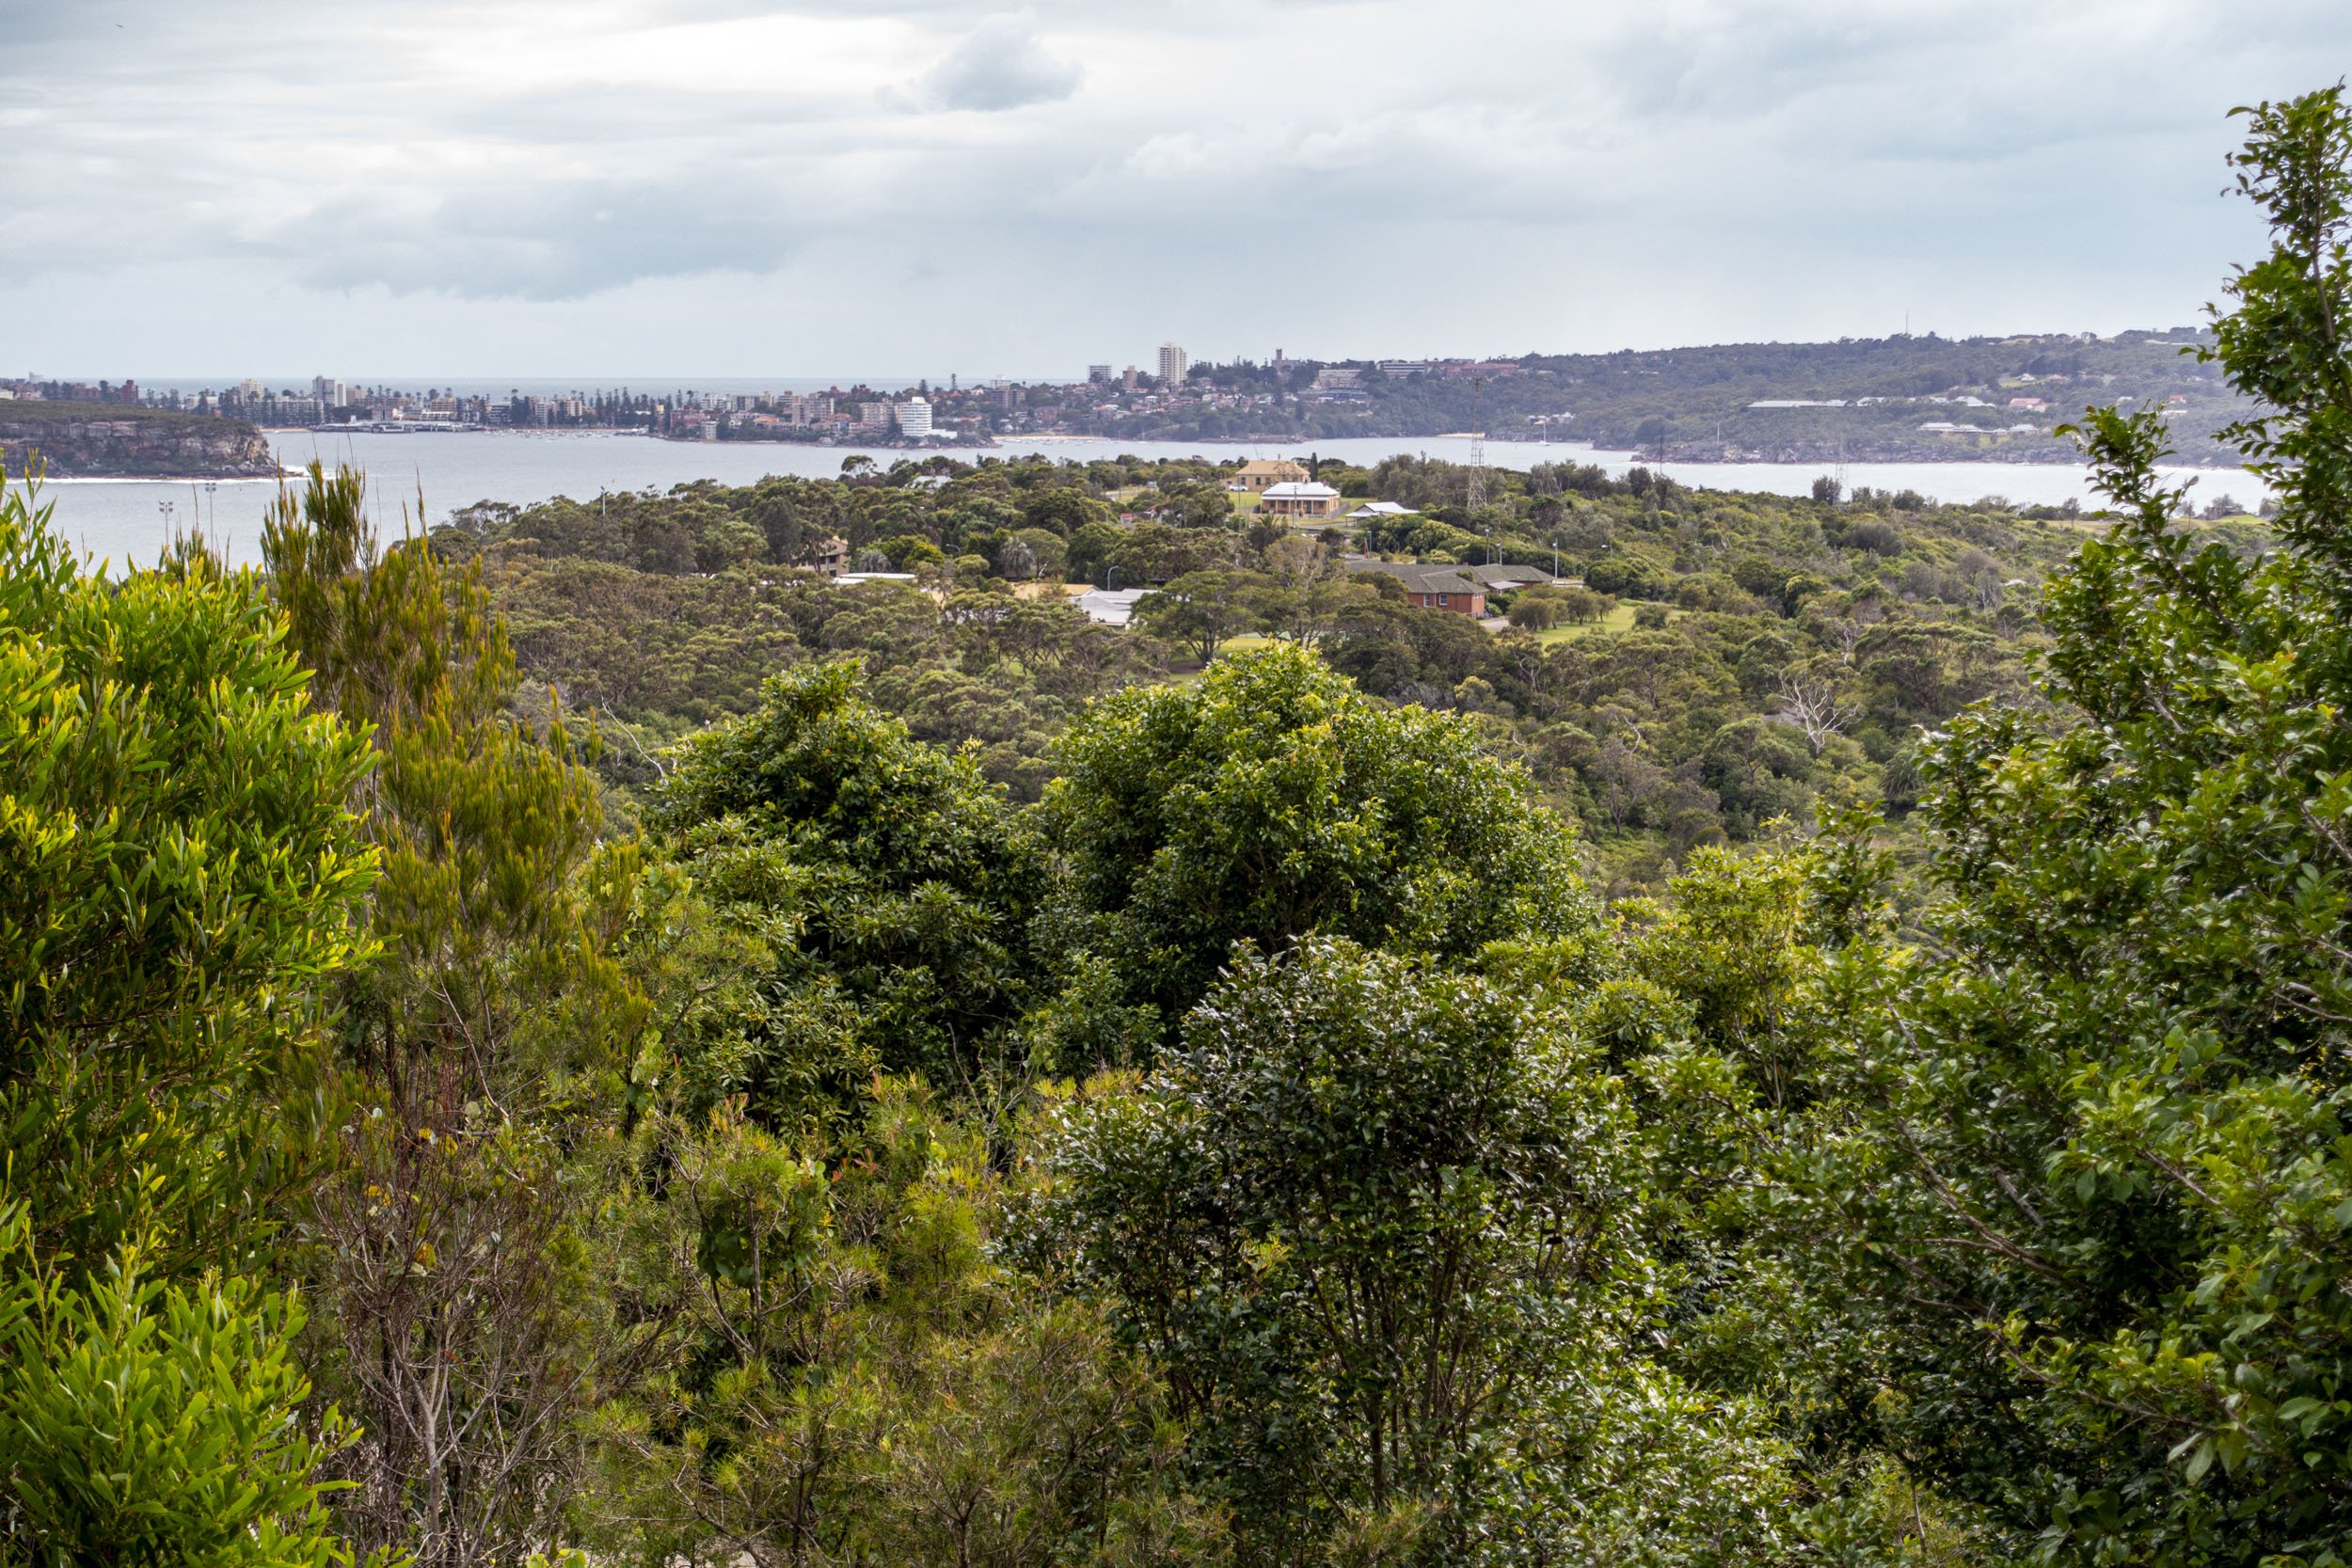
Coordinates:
1619 619
1245 502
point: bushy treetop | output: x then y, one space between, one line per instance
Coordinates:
1273 799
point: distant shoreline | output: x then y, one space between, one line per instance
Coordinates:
1044 441
48 481
1039 440
121 515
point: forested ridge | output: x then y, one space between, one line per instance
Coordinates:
1824 1044
1896 398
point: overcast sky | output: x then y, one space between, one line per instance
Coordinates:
669 188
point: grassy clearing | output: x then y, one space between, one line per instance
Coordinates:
1049 591
1619 619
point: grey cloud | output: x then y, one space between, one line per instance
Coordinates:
540 241
1001 65
1418 168
576 115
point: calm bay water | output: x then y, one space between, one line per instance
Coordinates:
128 520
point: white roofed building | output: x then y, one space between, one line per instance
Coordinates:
1298 499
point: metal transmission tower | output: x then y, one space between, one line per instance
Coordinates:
1478 453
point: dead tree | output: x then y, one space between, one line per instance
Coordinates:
1813 705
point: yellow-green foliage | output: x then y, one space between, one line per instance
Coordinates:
178 873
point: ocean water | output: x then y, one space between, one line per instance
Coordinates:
430 476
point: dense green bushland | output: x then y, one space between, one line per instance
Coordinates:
1730 659
179 875
1247 1138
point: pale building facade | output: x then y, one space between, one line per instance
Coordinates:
1298 499
1260 472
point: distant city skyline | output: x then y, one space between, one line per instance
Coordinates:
517 189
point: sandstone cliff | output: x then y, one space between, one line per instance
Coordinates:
83 440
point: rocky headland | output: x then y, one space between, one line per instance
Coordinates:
97 440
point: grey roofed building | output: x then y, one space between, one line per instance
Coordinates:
1430 586
1483 578
1417 579
1506 575
1384 508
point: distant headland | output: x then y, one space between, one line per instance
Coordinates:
103 440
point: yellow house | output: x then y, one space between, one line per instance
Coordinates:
1259 472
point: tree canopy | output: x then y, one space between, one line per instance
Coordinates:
181 871
2075 1182
1273 800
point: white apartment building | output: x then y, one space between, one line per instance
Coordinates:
914 417
1172 362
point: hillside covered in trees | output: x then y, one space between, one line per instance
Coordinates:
1730 660
487 1083
1900 399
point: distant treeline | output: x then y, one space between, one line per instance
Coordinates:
1693 403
